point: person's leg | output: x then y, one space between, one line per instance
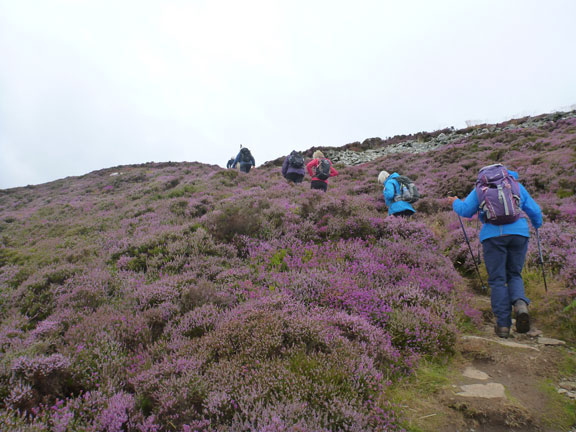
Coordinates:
244 168
517 248
294 178
318 184
403 213
495 252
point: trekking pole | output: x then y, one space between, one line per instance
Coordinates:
478 231
472 253
541 260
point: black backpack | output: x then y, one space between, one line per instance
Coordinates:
408 191
245 155
323 169
295 160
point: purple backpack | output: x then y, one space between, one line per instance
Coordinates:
498 194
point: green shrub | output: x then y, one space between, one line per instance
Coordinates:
171 184
564 193
186 190
37 299
179 207
228 174
242 218
497 155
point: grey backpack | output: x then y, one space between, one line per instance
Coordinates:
407 192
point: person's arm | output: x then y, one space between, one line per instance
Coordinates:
333 171
531 208
236 160
468 207
284 167
253 161
311 165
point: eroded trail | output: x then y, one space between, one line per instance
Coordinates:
524 383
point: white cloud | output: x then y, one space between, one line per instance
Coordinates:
91 84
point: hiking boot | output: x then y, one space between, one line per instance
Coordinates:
522 316
503 332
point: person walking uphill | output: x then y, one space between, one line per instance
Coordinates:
293 168
320 169
499 199
245 159
399 192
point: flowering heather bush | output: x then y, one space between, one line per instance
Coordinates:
268 354
39 379
181 296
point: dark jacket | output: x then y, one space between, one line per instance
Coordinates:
242 163
287 169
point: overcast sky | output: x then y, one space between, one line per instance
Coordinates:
91 84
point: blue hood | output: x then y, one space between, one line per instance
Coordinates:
513 174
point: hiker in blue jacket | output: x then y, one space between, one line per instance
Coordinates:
391 190
505 248
245 159
230 163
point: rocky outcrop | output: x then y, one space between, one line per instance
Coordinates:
351 157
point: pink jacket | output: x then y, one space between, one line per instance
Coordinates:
311 167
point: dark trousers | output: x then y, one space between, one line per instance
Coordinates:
294 177
404 213
319 184
245 167
504 258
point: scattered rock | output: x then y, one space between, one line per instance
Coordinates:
571 395
550 341
568 385
350 157
473 373
485 391
534 333
502 342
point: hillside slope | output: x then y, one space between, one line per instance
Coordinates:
181 296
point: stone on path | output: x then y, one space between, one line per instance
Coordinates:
568 385
550 341
501 342
571 395
473 373
485 391
534 333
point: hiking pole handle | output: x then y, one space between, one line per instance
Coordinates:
471 252
541 259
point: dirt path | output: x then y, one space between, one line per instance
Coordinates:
524 383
